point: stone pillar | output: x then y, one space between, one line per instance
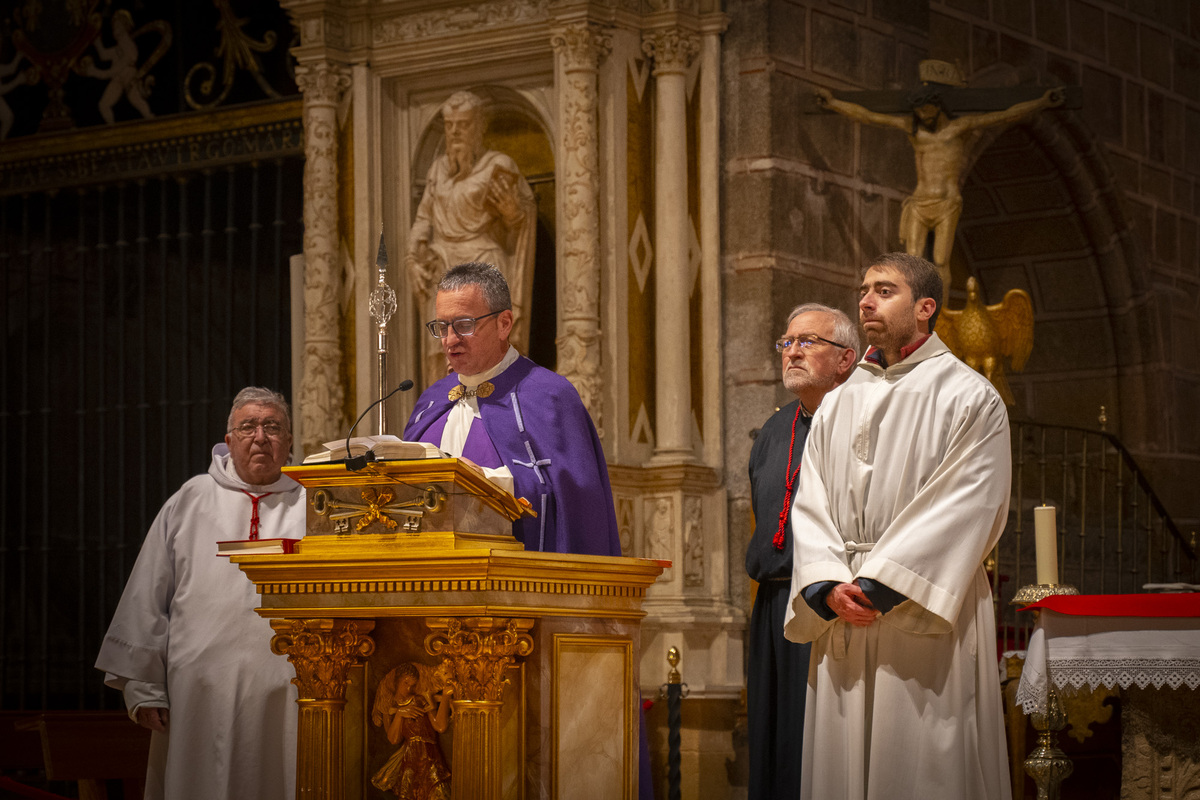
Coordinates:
672 50
322 652
320 405
580 48
476 654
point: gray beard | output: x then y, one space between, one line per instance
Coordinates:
460 159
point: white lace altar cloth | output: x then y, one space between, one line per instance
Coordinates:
1079 651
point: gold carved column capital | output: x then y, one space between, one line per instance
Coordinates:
322 652
477 651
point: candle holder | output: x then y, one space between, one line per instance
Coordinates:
1048 765
1036 592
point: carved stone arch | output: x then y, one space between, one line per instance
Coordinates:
1048 181
521 128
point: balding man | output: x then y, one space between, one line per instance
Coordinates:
502 411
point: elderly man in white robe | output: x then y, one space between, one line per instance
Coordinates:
905 478
185 646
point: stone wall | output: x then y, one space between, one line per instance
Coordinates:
1093 211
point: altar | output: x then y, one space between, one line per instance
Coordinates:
1148 647
410 590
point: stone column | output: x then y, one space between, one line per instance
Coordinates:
320 405
580 48
476 653
672 50
322 652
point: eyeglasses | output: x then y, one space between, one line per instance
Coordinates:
811 340
463 327
270 429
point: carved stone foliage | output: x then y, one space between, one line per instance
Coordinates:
322 82
321 390
477 652
582 45
672 49
322 651
581 48
460 19
1160 744
693 542
579 362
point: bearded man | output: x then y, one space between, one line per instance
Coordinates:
477 207
904 492
818 352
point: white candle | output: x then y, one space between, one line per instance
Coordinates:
1045 531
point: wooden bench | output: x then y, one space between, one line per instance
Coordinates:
89 747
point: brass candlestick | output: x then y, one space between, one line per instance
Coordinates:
1048 765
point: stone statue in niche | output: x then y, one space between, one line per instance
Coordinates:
412 712
942 143
476 207
659 512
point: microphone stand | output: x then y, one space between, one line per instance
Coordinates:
358 462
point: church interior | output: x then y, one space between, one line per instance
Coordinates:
193 197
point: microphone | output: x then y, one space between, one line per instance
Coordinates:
358 462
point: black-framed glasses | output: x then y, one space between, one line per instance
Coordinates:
463 327
811 340
271 429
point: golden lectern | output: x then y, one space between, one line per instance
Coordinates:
409 593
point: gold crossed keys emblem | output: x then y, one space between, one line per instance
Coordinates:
377 506
484 389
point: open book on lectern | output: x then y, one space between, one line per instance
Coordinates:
385 446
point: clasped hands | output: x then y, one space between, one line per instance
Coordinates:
850 603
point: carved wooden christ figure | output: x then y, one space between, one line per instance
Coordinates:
476 207
942 142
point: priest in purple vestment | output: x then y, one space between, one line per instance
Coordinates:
500 410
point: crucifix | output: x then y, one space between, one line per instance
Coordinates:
943 120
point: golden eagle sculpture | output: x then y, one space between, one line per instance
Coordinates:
985 337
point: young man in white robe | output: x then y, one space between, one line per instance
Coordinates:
905 477
185 645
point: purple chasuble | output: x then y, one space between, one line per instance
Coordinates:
538 428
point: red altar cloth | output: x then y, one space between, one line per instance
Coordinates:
1175 604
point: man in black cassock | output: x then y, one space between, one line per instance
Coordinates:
818 352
